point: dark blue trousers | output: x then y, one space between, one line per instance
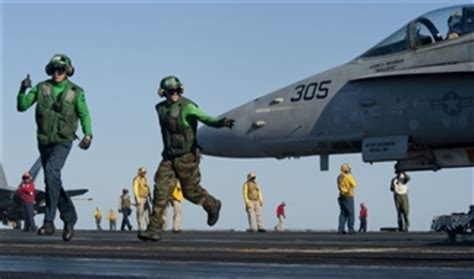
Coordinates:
347 213
53 158
125 221
28 213
363 224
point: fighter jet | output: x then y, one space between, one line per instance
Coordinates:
408 99
10 208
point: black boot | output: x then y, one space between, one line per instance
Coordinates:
68 231
46 229
149 235
213 214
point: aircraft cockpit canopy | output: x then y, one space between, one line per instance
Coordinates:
431 28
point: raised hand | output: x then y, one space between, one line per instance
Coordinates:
26 83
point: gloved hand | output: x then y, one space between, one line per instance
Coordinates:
85 142
25 84
226 122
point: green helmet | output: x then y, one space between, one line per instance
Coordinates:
170 83
60 60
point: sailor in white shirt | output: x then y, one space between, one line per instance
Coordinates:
399 187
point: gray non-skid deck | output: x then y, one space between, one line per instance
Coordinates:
94 254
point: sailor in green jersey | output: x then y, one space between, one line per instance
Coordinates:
178 118
60 105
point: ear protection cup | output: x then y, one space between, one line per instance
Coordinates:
161 92
70 71
48 70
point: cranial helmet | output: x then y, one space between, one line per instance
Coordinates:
26 175
170 83
345 167
60 60
141 170
251 175
455 22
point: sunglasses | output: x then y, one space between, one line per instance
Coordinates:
173 92
59 70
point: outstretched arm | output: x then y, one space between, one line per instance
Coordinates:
191 111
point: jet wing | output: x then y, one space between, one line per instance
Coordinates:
41 195
76 192
34 170
3 178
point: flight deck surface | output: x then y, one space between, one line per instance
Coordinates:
222 254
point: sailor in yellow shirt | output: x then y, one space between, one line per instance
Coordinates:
176 202
253 199
98 218
112 220
346 185
141 191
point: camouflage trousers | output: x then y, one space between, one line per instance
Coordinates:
184 168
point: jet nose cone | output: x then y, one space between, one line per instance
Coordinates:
225 142
214 141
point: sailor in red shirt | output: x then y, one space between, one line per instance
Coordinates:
280 212
27 194
363 218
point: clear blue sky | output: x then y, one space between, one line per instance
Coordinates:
225 54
